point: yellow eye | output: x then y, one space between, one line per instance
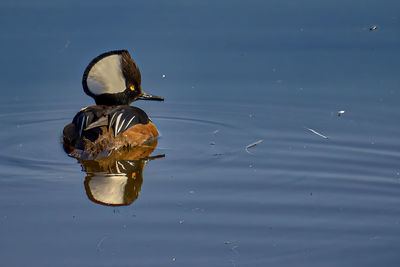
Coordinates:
132 88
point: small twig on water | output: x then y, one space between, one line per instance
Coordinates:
100 243
252 145
317 133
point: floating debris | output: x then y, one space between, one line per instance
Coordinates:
212 143
197 210
252 145
67 44
173 259
216 131
232 245
164 76
153 157
317 133
100 243
340 112
373 28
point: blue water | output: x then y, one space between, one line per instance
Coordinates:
236 72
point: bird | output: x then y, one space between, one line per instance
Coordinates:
112 181
113 80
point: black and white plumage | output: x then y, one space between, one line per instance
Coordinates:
114 81
115 184
118 118
113 78
96 131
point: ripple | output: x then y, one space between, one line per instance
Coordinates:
194 121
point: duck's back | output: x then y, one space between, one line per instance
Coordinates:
95 131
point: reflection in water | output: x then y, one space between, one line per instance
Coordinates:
116 180
115 185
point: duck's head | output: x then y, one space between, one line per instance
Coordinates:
113 78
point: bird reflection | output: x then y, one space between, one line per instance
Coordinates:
116 180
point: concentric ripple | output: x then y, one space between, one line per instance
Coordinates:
291 195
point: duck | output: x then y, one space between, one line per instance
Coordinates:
113 80
116 181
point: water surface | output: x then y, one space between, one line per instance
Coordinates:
235 73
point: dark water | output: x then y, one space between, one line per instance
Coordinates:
235 73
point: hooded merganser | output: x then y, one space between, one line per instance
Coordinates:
114 81
116 180
116 185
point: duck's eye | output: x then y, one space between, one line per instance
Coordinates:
132 88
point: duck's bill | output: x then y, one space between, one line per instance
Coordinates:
145 96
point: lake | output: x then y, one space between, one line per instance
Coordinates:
255 165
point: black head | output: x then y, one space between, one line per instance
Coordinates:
113 78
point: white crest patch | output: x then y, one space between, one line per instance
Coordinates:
106 76
108 188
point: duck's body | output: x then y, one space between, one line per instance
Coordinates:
113 80
97 131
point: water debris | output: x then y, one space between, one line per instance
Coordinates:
234 249
67 44
164 76
232 246
173 259
373 28
212 143
216 131
252 145
317 133
154 157
100 243
340 112
198 210
181 221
